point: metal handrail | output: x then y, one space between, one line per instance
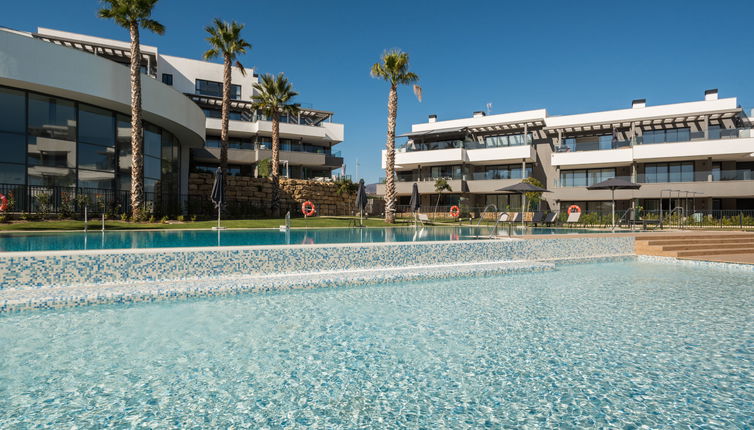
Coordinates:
481 217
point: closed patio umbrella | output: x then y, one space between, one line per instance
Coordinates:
613 184
361 198
415 203
218 193
523 188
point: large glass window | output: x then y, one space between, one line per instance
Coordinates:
94 157
506 171
96 126
585 177
51 147
13 147
507 140
670 135
215 89
669 172
12 173
12 110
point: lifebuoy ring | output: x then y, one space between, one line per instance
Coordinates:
3 203
455 211
578 209
308 208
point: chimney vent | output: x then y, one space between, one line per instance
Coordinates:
639 103
433 118
710 94
479 113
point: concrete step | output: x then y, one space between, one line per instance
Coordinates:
716 245
709 252
696 236
679 241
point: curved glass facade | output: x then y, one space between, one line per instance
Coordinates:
49 141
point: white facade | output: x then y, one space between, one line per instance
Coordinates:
307 139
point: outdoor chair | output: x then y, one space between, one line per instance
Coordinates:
504 217
538 217
516 217
551 218
573 217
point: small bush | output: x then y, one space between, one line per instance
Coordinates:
193 218
152 219
163 220
181 218
124 217
3 219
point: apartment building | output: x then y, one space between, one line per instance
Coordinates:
65 106
697 155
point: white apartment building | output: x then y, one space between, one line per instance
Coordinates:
698 154
65 104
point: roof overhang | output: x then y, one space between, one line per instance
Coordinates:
648 121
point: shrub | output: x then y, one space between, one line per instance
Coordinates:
193 218
124 217
181 218
152 219
163 220
3 219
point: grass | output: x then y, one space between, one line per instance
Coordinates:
316 222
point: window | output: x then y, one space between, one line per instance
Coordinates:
215 89
509 171
669 172
585 177
96 126
713 132
12 173
167 79
453 172
96 157
670 135
14 148
508 140
12 111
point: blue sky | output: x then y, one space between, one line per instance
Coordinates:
568 57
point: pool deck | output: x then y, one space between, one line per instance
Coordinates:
744 258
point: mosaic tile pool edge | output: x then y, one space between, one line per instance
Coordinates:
37 270
697 263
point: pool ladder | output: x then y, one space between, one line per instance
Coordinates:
481 218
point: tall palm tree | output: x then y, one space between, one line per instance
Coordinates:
132 15
225 40
393 68
273 98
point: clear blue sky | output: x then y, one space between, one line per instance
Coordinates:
568 57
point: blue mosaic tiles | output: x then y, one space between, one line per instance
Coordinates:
35 270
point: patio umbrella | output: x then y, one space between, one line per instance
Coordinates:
523 188
218 193
613 184
361 198
415 203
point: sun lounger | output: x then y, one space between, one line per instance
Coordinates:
516 217
551 218
538 217
573 217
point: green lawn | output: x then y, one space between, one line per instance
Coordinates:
248 223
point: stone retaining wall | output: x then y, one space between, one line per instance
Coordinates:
293 192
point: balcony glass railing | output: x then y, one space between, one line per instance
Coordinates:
460 144
593 146
581 181
697 176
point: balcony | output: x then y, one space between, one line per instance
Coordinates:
427 186
597 158
409 160
736 142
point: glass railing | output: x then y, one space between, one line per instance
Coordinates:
456 144
585 181
698 176
712 134
497 175
593 146
312 149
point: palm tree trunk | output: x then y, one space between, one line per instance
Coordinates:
275 165
225 117
137 133
392 113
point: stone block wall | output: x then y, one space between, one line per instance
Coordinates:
293 192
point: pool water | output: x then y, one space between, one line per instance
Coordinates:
619 345
56 241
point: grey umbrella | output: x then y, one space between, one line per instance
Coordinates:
218 193
361 198
613 184
415 203
523 188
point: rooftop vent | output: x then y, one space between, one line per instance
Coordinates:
710 94
479 113
433 118
639 103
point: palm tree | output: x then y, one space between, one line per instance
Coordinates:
225 40
132 15
273 98
393 68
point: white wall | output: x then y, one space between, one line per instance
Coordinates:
186 71
530 115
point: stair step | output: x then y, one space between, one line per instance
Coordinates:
691 247
681 241
708 252
696 236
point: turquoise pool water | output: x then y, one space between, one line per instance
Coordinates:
618 345
55 241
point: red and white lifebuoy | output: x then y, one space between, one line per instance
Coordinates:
3 203
455 211
572 207
308 208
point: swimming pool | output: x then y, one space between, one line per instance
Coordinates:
591 345
56 241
